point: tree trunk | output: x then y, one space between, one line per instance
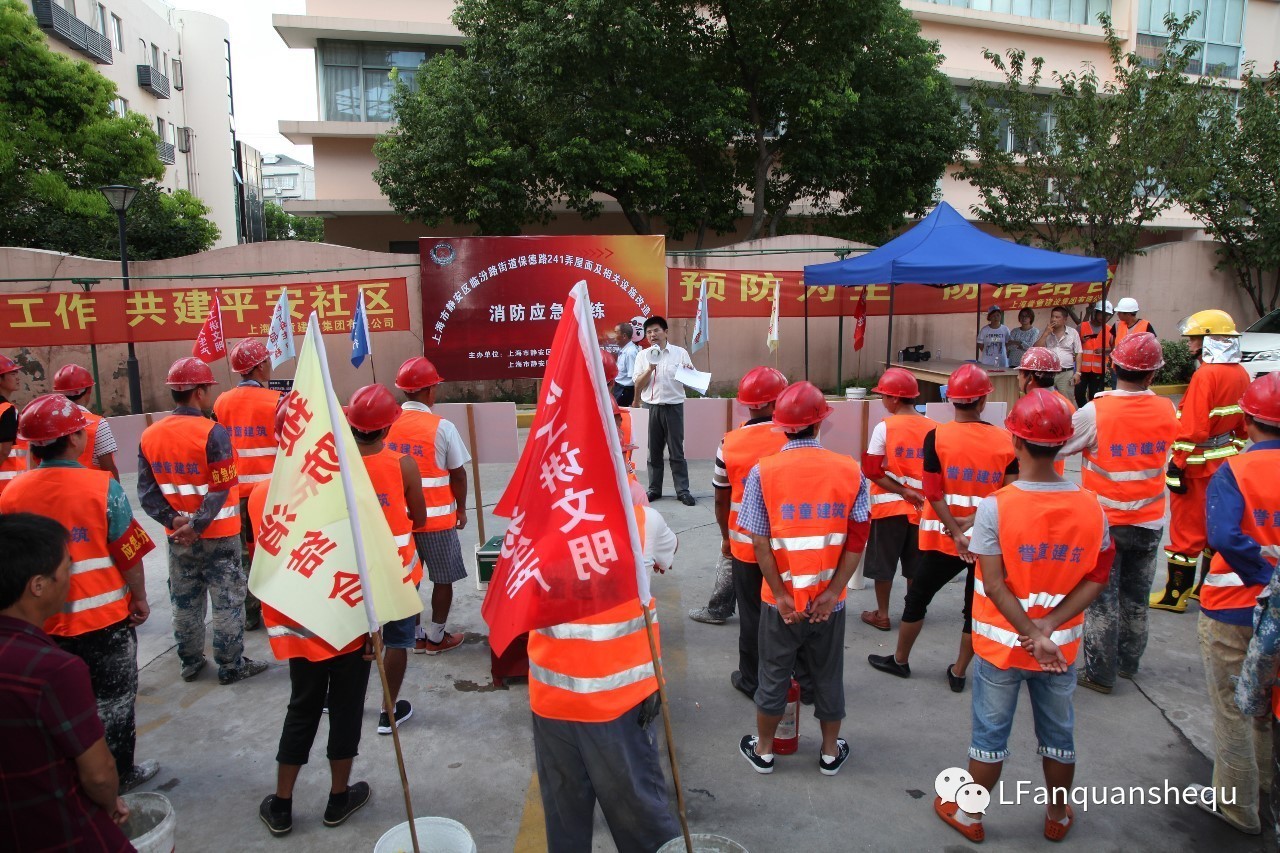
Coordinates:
763 160
637 220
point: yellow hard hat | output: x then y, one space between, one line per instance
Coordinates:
1208 322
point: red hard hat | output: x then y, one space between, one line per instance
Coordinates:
1139 351
761 386
373 408
72 379
799 406
896 382
610 366
1041 417
1039 360
7 365
187 373
1261 400
417 373
247 355
48 418
968 382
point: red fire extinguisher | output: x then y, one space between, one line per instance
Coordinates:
787 739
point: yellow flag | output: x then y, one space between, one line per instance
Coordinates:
323 540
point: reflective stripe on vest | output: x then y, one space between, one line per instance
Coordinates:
76 498
176 445
388 483
16 462
288 639
248 412
1255 476
807 545
1049 542
598 684
903 435
974 448
1122 476
741 449
415 435
1091 354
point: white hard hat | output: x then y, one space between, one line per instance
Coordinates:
1097 306
1128 305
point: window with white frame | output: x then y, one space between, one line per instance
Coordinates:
120 107
100 19
355 77
1217 32
117 33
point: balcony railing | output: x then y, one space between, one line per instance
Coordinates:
71 31
166 152
153 81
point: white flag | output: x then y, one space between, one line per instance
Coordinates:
702 324
280 338
771 339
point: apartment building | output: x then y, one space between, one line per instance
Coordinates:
286 179
356 46
174 67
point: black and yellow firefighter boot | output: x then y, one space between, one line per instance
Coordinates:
1205 561
1174 597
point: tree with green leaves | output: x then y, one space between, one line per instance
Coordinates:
282 225
1084 166
60 141
1232 186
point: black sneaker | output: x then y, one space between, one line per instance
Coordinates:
277 817
687 499
343 806
191 670
248 669
748 749
140 773
889 664
403 712
831 768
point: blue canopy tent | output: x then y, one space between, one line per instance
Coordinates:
945 249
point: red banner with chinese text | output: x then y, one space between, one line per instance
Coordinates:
490 305
176 314
747 293
572 547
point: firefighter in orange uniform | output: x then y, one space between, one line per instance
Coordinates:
187 482
248 412
13 450
322 678
75 382
964 461
1043 556
1212 431
1095 338
108 594
396 479
1125 437
894 464
808 511
1243 511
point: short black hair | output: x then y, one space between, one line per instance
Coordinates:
808 432
969 406
44 452
1027 311
33 545
368 437
1264 427
1139 376
656 320
76 398
1042 451
1060 309
183 398
1043 379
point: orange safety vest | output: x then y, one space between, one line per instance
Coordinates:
16 462
414 434
743 448
1048 542
388 483
1255 474
1123 329
1128 468
288 639
175 448
1091 349
249 414
624 436
91 437
809 493
903 462
594 670
1060 465
76 498
974 457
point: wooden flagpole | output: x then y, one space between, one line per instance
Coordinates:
475 471
395 735
666 725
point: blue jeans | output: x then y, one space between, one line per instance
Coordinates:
995 699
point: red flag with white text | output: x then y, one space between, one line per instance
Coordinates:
860 322
572 547
210 344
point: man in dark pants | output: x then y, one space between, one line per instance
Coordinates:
624 387
655 379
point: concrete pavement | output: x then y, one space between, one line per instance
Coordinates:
469 751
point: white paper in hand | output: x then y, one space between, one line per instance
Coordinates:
695 379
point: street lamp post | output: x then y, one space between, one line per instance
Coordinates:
120 197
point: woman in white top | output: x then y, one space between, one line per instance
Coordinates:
993 340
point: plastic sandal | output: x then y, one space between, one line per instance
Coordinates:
1055 831
947 811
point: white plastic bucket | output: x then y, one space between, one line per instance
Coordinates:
703 842
152 823
435 834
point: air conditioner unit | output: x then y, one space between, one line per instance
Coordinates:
184 140
177 74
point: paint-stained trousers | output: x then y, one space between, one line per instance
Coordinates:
111 653
615 763
1115 625
208 569
666 428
